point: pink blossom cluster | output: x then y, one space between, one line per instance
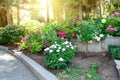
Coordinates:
114 14
110 28
73 35
25 38
76 20
62 34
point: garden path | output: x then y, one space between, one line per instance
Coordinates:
12 68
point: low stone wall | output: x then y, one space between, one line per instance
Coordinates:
101 46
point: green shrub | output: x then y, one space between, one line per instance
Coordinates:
12 34
48 33
33 42
59 54
114 51
89 31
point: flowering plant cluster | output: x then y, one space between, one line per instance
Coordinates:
32 42
59 54
112 24
70 26
89 32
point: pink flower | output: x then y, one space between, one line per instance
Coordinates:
62 34
25 38
114 29
116 13
109 28
112 16
79 20
75 17
73 35
69 23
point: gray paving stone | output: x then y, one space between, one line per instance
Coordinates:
13 69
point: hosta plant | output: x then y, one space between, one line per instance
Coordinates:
59 54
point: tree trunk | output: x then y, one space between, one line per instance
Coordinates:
80 9
101 7
18 13
47 11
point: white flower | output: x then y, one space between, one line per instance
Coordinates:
63 49
90 41
67 46
54 46
101 35
72 47
103 21
98 39
50 51
66 42
59 47
104 16
58 50
46 49
55 42
61 59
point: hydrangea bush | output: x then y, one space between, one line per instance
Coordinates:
32 42
111 24
59 54
69 27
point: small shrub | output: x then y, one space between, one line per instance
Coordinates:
114 51
33 42
59 54
12 34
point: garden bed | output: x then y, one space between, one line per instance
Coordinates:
106 66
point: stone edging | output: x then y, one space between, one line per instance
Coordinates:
117 62
38 70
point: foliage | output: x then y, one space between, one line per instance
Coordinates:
31 25
59 54
111 24
74 73
70 27
48 33
114 51
12 34
89 31
32 42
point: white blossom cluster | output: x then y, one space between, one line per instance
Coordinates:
97 38
59 48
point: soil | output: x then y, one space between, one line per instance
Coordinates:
106 66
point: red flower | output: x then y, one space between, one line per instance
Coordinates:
69 23
73 35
